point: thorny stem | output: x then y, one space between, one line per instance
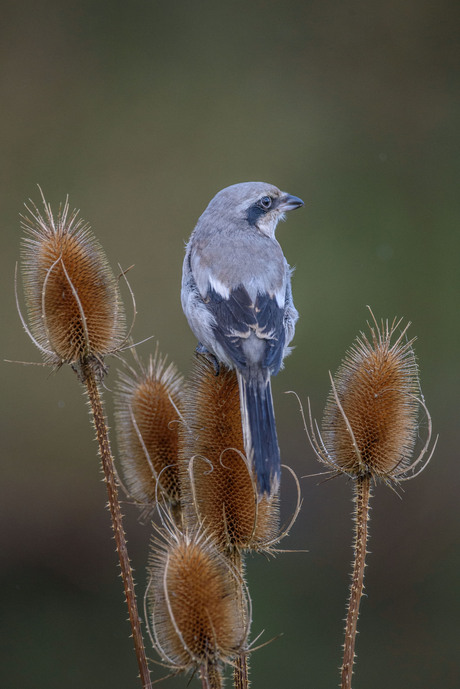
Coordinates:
89 379
241 670
362 495
211 677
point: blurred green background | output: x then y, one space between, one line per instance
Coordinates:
142 111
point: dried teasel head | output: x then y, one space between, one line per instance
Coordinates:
370 423
72 297
199 611
148 402
218 486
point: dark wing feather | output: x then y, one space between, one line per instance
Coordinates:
237 316
270 321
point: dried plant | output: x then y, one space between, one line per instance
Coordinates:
148 403
195 598
75 311
219 487
76 317
197 595
182 451
369 432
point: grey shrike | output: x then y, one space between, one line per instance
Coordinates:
236 295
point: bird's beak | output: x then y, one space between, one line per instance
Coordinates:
289 203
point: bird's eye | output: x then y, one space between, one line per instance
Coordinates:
265 202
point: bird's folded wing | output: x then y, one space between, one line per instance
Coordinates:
238 317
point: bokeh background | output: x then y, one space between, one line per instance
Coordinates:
141 111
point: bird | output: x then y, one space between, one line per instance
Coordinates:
236 295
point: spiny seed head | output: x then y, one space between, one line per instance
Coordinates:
370 422
147 414
218 486
198 609
73 301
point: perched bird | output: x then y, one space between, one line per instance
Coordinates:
236 295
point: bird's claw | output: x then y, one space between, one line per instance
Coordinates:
201 349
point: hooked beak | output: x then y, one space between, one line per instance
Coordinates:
288 202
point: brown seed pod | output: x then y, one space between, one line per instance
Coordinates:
73 301
147 406
218 485
195 601
370 423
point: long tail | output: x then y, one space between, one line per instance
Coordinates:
259 430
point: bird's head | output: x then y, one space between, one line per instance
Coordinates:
258 204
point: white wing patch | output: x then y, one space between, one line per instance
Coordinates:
219 287
280 296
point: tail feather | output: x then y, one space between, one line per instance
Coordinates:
259 431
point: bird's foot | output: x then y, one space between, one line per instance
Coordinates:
201 349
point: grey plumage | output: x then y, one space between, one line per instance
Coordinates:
236 295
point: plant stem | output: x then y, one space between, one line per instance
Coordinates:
89 379
241 672
361 499
211 677
241 669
